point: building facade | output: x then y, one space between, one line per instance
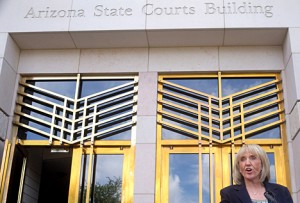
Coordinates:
145 101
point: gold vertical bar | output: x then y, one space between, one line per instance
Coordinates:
219 167
200 174
75 174
134 110
200 179
220 104
7 167
211 174
226 165
210 118
283 133
22 179
231 119
165 176
75 107
125 173
279 167
128 175
232 156
159 161
90 175
63 121
242 123
4 166
84 109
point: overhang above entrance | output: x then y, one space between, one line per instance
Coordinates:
150 38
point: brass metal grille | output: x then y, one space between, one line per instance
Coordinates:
211 116
216 119
54 116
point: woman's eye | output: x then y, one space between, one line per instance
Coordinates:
243 159
252 157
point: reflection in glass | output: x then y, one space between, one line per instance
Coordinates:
89 87
106 182
83 178
183 178
62 87
173 134
205 178
234 85
206 85
267 134
272 167
107 179
104 109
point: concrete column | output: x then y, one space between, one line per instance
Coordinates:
291 75
9 59
144 178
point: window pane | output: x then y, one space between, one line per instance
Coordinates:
89 87
205 85
103 111
107 181
63 87
272 167
273 133
83 178
183 178
234 85
205 178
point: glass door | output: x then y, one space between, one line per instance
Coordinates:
101 175
203 120
191 174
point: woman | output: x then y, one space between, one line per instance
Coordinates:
251 174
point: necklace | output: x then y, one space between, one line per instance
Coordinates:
255 192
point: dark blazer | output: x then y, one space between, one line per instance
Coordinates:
239 194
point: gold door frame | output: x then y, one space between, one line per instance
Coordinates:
127 174
225 146
86 141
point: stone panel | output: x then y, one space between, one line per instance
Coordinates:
146 129
287 50
292 73
296 152
264 58
291 44
253 37
295 41
110 39
7 86
3 42
3 125
113 60
183 59
12 53
144 177
187 38
49 61
294 121
147 95
44 40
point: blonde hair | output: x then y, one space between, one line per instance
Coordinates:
260 153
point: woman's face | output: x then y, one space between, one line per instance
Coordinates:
250 166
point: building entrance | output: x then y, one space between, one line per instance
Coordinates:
40 174
202 122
